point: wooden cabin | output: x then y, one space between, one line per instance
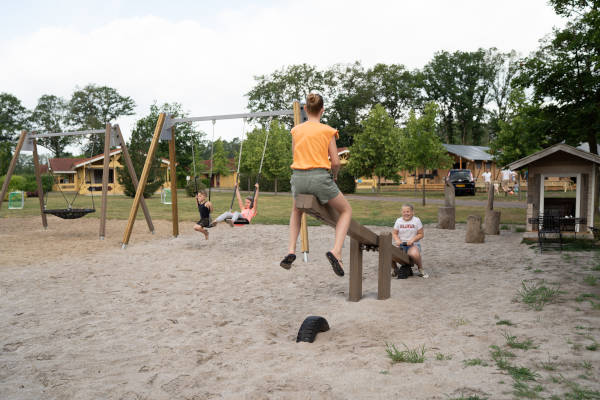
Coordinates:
85 174
568 163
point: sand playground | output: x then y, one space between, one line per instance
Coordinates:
186 318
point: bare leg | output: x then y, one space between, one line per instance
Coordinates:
201 229
295 219
341 205
415 256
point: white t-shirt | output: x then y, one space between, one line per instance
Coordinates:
407 229
487 177
506 174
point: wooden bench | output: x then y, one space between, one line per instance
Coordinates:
361 238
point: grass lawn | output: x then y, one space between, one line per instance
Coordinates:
440 195
272 209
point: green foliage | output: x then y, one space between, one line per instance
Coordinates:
50 115
92 107
504 322
563 75
220 164
419 145
407 355
375 150
17 182
590 280
536 295
345 181
442 357
13 118
190 187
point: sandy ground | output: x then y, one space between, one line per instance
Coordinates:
187 318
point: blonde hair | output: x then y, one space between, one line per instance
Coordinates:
314 103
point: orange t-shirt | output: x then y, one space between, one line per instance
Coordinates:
311 143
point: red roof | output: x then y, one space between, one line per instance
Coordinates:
230 163
98 157
64 164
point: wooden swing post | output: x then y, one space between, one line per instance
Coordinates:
105 172
38 180
173 177
12 166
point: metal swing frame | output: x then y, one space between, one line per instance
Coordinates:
165 130
113 138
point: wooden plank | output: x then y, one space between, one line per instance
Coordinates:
133 175
326 214
173 170
38 181
143 179
105 169
356 259
12 166
384 273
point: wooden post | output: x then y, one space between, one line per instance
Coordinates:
474 232
384 273
12 166
303 224
38 180
105 169
133 175
173 170
143 180
356 256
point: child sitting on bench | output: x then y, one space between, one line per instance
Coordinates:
408 230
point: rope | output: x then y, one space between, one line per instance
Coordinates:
194 164
212 146
260 168
237 176
77 191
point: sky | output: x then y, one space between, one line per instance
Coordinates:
205 54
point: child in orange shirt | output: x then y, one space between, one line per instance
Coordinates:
315 154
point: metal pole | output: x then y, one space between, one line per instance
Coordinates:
212 148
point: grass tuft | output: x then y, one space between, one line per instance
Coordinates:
590 280
505 322
474 361
442 357
537 295
513 343
407 355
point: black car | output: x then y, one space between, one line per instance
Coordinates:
463 181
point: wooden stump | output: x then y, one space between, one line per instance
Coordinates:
492 222
446 217
449 195
474 232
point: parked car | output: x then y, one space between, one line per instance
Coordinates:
462 180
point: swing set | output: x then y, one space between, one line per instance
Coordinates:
165 130
112 138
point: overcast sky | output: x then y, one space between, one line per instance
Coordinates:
204 54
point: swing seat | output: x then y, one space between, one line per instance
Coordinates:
239 221
70 213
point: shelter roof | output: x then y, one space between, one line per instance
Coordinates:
523 162
99 157
64 165
473 153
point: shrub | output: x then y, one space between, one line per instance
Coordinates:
346 182
16 183
190 188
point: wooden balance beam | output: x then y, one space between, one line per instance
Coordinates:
361 238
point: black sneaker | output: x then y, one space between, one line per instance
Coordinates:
287 261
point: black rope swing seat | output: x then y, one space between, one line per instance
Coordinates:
70 213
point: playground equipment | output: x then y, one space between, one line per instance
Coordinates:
112 137
16 200
165 130
310 327
165 196
361 238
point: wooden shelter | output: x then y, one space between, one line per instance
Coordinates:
577 211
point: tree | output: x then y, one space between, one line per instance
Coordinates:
523 131
49 115
93 107
13 119
375 149
460 83
395 88
419 144
220 163
563 74
278 154
507 68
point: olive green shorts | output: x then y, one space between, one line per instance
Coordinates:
316 181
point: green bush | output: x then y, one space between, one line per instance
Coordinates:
190 188
47 182
346 182
17 182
